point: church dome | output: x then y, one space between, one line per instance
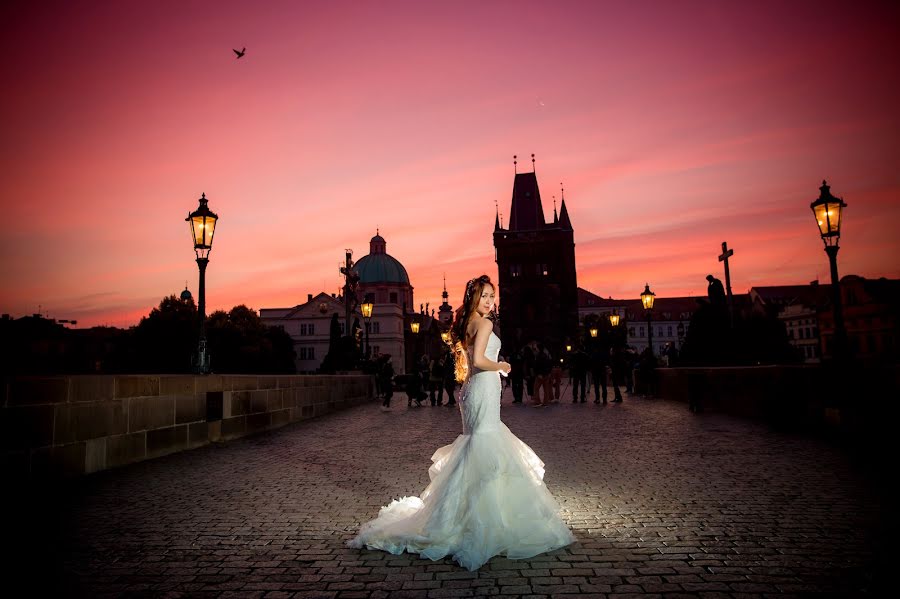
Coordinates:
186 295
379 266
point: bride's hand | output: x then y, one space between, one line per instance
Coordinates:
505 367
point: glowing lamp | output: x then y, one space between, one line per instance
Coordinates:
593 331
828 210
647 297
203 225
366 308
414 327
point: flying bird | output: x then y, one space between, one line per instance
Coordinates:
241 53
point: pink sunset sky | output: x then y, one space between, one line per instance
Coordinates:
673 125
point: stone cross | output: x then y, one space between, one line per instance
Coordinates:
723 257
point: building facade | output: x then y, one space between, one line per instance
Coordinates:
538 298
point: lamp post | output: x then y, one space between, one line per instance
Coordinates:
828 212
366 308
647 298
203 225
594 331
614 319
414 327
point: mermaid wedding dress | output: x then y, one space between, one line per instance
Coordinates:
486 497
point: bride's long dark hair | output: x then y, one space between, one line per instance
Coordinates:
458 335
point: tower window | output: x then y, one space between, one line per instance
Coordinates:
393 297
515 270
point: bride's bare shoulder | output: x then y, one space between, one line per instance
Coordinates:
475 326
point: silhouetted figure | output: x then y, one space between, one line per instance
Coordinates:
241 53
436 381
715 291
543 365
578 374
449 377
517 374
334 333
386 376
647 370
529 352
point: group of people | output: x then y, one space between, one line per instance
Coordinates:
428 379
537 374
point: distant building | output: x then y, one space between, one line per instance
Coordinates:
536 268
870 316
383 280
670 319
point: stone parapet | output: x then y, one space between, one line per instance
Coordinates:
851 398
63 426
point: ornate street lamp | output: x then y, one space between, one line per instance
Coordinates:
203 225
366 309
568 347
594 331
828 211
614 319
414 327
445 337
647 299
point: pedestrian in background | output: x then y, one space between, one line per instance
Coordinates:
386 375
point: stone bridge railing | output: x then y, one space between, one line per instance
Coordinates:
62 426
854 400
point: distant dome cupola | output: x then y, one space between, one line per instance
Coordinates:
379 266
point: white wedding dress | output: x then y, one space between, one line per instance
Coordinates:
487 495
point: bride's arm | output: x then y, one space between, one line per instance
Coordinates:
482 333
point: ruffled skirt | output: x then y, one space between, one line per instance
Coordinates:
486 497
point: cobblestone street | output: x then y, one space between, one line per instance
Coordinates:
662 502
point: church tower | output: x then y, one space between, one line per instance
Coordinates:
536 266
445 312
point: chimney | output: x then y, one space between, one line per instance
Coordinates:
309 297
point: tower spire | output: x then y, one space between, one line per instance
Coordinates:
496 216
515 170
564 220
532 164
555 217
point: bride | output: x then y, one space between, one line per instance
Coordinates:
487 496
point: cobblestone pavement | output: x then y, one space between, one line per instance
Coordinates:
663 503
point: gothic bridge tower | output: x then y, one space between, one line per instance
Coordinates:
538 296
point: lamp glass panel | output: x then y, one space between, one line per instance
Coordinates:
203 228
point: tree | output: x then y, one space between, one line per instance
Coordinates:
754 339
165 341
239 342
